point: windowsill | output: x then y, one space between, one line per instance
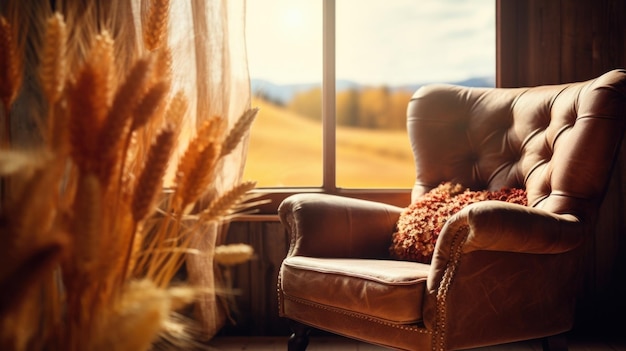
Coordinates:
274 196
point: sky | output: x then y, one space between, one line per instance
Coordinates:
390 42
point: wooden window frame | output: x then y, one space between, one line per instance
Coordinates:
397 197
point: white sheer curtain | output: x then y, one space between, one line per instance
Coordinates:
220 83
207 38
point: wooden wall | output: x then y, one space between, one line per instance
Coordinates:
256 282
559 41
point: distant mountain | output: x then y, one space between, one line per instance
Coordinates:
478 82
283 93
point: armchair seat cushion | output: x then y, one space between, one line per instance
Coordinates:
383 290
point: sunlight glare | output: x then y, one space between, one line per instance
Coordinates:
293 17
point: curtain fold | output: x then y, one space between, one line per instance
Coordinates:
207 38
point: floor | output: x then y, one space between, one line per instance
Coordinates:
342 344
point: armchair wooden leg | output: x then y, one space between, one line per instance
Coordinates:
299 340
554 343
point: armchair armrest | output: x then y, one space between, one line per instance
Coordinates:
322 225
508 260
503 226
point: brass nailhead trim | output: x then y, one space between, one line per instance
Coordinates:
439 334
360 316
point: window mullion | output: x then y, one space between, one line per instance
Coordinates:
329 183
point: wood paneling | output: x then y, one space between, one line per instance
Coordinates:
255 282
558 41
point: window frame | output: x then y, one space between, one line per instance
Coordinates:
398 197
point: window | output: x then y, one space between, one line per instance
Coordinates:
333 77
285 46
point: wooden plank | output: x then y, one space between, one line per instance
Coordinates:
509 43
544 28
576 40
256 312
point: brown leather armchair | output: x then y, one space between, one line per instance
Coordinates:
501 272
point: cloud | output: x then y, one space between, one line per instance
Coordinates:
392 42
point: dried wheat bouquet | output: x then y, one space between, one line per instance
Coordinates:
90 244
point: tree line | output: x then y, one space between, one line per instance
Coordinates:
372 107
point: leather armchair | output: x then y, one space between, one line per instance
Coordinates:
501 272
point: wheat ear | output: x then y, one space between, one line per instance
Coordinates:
10 75
53 59
149 104
191 154
115 130
196 166
149 186
232 254
176 111
134 321
89 103
238 131
163 64
155 28
200 176
52 72
151 177
224 204
101 59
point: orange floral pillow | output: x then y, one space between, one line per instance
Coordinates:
419 224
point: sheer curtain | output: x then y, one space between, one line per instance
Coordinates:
207 38
220 83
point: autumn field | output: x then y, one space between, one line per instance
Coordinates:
286 150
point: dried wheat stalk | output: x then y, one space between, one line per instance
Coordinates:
10 74
87 224
10 70
33 243
103 235
52 74
102 60
53 59
115 130
172 116
197 164
241 127
200 176
149 183
232 254
176 111
163 64
149 104
136 319
155 29
89 101
223 205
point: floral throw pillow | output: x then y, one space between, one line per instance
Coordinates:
419 224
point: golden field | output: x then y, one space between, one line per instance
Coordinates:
286 150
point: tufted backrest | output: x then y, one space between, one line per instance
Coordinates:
559 142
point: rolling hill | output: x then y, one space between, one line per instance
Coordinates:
286 150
